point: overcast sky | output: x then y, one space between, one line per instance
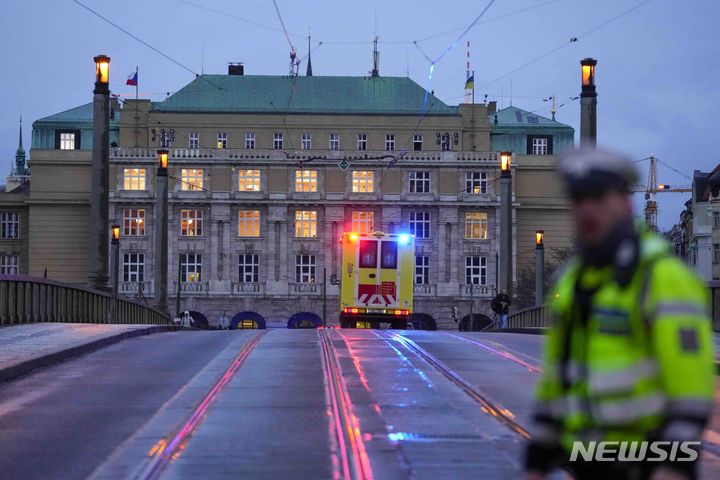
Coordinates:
656 64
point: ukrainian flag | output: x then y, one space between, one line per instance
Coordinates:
470 82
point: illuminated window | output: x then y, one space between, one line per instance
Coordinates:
476 270
306 223
390 141
476 225
306 141
420 224
9 265
362 141
133 267
191 223
191 178
134 178
250 140
249 266
190 267
475 182
422 269
133 222
305 268
222 140
417 142
249 223
419 182
278 141
9 225
306 180
334 141
363 181
67 141
194 140
249 180
362 222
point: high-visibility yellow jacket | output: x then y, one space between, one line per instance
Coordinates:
637 364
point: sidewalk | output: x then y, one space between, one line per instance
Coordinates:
29 346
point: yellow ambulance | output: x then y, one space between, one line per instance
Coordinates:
376 279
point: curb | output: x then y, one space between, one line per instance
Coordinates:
25 366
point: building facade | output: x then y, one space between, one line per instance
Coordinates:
267 172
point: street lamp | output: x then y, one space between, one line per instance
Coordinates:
115 270
587 66
539 267
102 73
161 231
588 104
506 263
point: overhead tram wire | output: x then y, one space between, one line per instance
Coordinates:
572 40
156 50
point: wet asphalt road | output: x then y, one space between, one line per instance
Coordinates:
109 414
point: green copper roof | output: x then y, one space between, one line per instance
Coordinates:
517 117
330 95
83 113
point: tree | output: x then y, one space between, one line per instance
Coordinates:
525 286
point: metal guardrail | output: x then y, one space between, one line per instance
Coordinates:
533 317
25 299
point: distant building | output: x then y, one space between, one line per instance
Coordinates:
266 172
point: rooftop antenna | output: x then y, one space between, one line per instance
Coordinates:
407 62
308 71
511 91
553 110
376 55
202 63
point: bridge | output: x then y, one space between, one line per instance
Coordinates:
263 403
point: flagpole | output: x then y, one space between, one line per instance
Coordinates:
473 88
137 82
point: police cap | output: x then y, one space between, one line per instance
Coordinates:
591 173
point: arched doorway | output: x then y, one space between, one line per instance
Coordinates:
423 321
199 320
305 320
247 320
478 322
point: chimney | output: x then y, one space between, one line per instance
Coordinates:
588 104
236 68
492 107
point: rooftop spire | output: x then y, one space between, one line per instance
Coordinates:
20 154
308 72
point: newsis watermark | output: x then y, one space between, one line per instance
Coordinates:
635 451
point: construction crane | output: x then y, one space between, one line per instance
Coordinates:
651 189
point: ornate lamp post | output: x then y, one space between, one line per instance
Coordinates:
588 104
115 270
161 231
539 267
505 270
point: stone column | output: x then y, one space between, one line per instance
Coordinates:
588 104
161 241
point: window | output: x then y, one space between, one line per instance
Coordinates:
305 268
362 222
9 225
250 140
475 182
306 223
222 140
133 267
716 253
420 224
422 269
191 179
334 141
443 139
390 141
367 252
539 145
134 178
362 141
277 141
8 265
388 254
306 141
476 225
67 139
191 223
190 267
133 222
249 180
475 270
716 220
417 142
363 181
194 140
306 180
249 264
249 223
419 182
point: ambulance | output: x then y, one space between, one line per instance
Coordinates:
376 279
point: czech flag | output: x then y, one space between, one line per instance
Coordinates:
132 79
470 83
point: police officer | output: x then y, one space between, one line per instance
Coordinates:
630 355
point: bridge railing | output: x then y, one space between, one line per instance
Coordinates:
25 299
533 317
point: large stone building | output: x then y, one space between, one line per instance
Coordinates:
266 173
